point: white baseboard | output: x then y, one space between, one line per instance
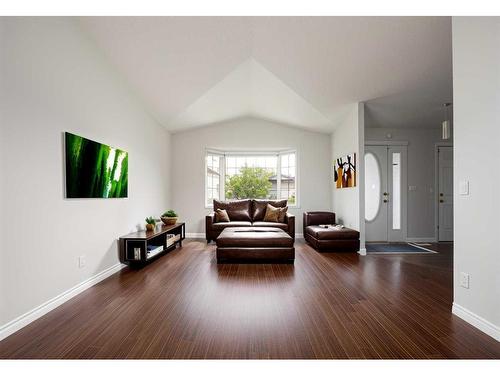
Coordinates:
362 252
421 239
475 320
25 319
195 235
299 235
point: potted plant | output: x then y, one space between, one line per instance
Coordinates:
150 223
169 217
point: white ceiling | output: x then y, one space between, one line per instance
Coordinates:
193 71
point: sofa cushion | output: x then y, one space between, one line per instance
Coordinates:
221 216
268 224
260 206
222 225
236 210
331 233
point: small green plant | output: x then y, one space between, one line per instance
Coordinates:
169 213
150 220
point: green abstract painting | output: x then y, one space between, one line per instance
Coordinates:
94 170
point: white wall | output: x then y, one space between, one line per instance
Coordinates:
54 80
476 86
188 164
421 174
346 139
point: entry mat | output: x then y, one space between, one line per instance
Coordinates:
397 248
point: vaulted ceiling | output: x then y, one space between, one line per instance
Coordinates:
302 71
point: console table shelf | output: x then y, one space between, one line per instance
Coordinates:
142 247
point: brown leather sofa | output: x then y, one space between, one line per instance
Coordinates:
328 239
247 213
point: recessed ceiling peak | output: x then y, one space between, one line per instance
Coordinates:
250 90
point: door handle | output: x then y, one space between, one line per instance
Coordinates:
441 201
386 200
386 194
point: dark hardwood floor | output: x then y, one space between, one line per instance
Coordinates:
333 305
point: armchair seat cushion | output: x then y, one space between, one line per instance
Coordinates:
332 233
270 224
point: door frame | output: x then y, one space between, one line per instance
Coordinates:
404 182
437 145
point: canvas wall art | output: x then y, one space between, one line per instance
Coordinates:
344 171
94 170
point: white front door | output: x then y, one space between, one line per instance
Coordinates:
385 193
445 193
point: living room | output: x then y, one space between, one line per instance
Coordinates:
243 142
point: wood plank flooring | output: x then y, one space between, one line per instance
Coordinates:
333 305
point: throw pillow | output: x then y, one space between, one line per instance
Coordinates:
282 214
221 216
272 214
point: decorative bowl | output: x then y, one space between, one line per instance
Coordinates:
169 220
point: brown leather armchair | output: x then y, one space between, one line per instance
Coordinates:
247 213
328 239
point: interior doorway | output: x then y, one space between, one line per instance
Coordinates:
445 193
386 189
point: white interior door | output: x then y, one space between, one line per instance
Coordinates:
385 193
376 208
445 193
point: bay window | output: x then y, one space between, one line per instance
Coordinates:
247 175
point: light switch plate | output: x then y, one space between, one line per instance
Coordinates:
463 188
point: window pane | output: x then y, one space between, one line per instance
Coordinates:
251 177
284 161
396 190
212 177
287 182
372 187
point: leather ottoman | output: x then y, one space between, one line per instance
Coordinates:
328 239
254 245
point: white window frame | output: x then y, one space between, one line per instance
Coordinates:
222 167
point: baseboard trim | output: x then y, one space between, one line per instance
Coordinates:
421 239
195 235
480 323
32 315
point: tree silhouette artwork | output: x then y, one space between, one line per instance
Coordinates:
344 172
